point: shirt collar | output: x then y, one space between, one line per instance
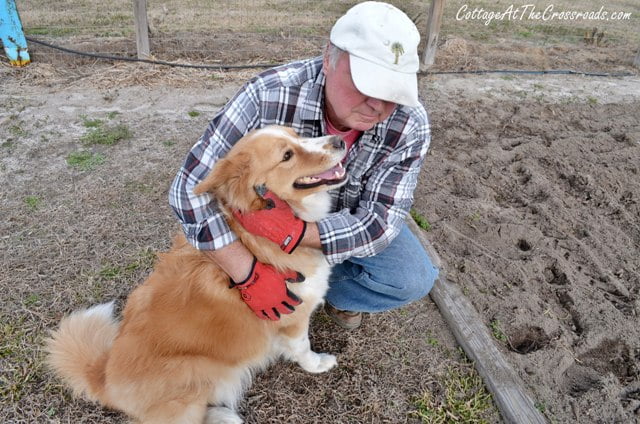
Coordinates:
313 105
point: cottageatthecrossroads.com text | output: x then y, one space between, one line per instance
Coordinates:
531 12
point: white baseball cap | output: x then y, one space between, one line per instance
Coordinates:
382 43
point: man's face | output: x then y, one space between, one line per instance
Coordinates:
347 107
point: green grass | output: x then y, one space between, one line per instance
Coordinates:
17 347
432 341
31 300
144 260
139 187
525 33
110 272
85 161
474 217
106 135
420 220
496 331
51 31
11 335
17 131
90 123
193 113
460 397
32 202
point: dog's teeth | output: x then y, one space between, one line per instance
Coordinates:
308 180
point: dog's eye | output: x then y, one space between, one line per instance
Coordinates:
287 155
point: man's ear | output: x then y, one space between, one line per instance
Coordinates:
325 59
231 182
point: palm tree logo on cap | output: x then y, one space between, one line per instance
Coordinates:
398 50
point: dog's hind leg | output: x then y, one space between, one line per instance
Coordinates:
176 412
226 393
295 345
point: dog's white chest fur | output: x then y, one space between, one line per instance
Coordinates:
316 207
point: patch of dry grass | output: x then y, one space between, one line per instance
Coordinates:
458 395
305 18
93 237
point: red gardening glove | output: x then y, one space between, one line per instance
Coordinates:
276 223
266 292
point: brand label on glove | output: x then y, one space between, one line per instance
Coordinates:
286 242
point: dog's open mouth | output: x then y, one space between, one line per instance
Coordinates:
332 176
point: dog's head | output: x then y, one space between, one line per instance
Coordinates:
275 158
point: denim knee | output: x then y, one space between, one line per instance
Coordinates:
400 274
415 284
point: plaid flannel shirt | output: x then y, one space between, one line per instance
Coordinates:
383 165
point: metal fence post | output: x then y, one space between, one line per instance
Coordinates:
11 34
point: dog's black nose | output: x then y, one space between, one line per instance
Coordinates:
337 142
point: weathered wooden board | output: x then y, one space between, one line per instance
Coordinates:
434 22
142 28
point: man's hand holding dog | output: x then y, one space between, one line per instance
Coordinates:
277 223
266 292
262 287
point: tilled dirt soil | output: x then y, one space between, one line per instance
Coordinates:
532 188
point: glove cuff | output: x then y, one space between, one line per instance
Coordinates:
289 246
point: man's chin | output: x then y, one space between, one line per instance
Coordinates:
364 125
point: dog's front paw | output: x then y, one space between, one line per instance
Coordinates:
327 361
222 415
319 362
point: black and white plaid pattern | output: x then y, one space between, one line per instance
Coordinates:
383 165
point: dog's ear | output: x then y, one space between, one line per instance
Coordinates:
232 183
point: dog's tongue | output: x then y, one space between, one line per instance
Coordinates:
331 173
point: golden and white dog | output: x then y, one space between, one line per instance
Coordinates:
186 340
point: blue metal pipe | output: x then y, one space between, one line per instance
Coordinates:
11 34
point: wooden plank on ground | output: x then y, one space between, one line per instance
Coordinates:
509 394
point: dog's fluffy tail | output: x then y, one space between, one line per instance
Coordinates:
79 348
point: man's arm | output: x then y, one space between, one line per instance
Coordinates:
311 236
371 222
234 259
202 221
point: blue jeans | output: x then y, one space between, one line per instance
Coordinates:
400 274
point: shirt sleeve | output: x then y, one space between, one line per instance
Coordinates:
384 204
202 221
